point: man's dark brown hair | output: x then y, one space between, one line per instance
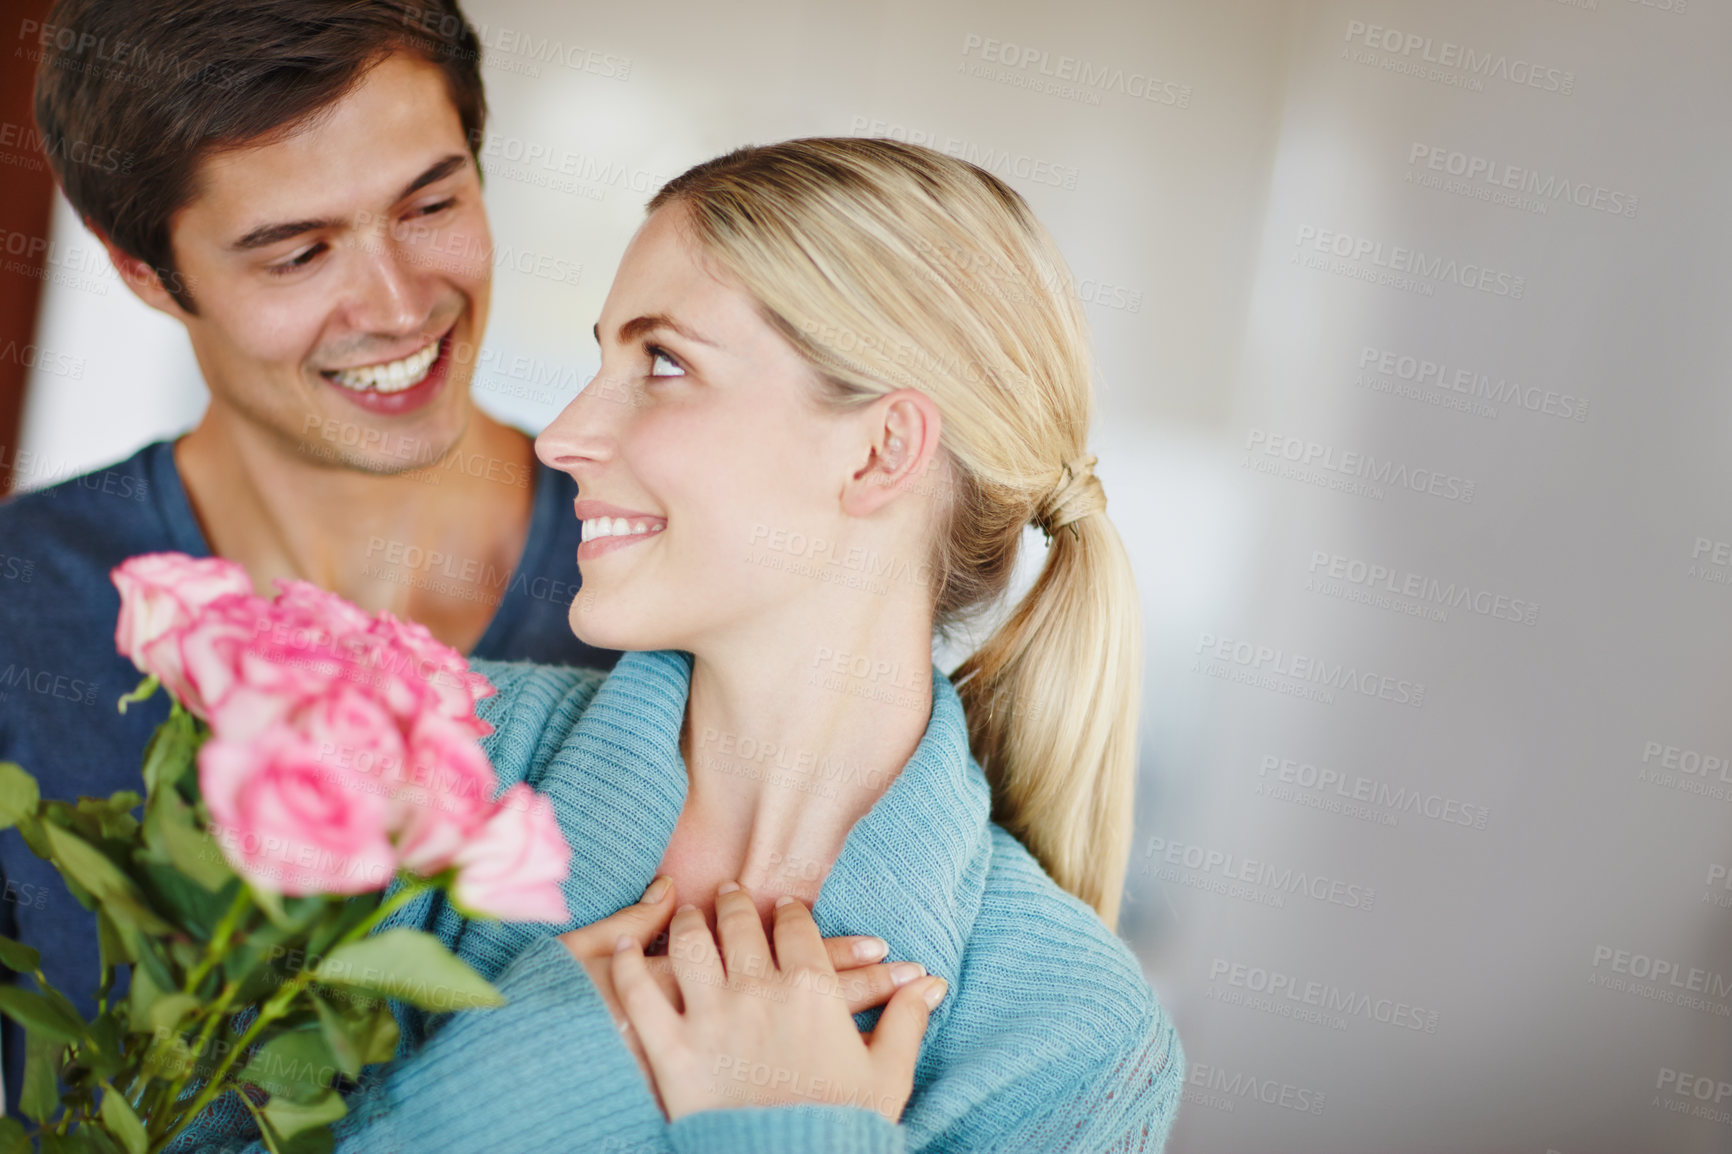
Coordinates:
165 83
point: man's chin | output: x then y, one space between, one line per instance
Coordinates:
378 452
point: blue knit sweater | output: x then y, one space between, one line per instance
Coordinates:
1050 1038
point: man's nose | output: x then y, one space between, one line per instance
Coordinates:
390 296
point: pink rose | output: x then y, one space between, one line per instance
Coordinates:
513 868
200 661
160 592
292 822
409 648
445 797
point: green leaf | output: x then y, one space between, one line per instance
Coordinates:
115 949
357 1041
292 1118
39 1015
18 794
411 966
13 1140
198 909
101 1050
145 688
41 1093
172 833
123 1123
18 957
171 753
296 1065
92 869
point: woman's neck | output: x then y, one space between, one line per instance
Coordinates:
788 743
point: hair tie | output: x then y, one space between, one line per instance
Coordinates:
1076 494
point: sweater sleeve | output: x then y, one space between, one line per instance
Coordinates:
1123 1103
833 1129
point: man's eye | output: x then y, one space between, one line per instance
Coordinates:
662 364
299 261
430 209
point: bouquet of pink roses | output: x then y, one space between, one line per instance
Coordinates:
336 756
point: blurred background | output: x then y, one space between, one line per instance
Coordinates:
1414 413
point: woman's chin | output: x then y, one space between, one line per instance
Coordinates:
592 624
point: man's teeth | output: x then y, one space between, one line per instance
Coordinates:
597 527
391 378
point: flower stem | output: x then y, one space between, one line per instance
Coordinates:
220 939
275 1008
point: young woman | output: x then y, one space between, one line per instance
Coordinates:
839 378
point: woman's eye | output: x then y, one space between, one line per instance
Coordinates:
663 365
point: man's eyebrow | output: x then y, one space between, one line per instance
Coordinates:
269 234
638 326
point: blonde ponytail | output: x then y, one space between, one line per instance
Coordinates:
887 266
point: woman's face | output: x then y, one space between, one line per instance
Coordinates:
701 447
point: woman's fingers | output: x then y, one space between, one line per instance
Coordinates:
866 986
745 950
646 1006
798 943
641 923
692 953
855 950
895 1044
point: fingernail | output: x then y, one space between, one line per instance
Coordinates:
622 945
904 972
684 908
935 993
727 887
871 949
783 900
658 890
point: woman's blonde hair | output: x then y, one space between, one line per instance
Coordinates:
888 266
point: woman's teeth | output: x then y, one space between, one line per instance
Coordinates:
598 527
391 378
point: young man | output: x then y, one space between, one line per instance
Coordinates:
301 192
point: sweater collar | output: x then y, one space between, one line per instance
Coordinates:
912 871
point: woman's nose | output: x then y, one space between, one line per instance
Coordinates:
583 433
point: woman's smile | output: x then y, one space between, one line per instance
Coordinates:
607 528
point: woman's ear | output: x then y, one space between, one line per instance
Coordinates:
901 447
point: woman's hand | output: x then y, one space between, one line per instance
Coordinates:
759 1030
862 984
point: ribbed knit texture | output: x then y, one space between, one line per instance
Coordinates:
1050 1038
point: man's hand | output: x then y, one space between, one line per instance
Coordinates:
763 1030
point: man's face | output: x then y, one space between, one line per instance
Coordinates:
342 276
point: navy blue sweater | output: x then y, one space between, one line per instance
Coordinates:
60 675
